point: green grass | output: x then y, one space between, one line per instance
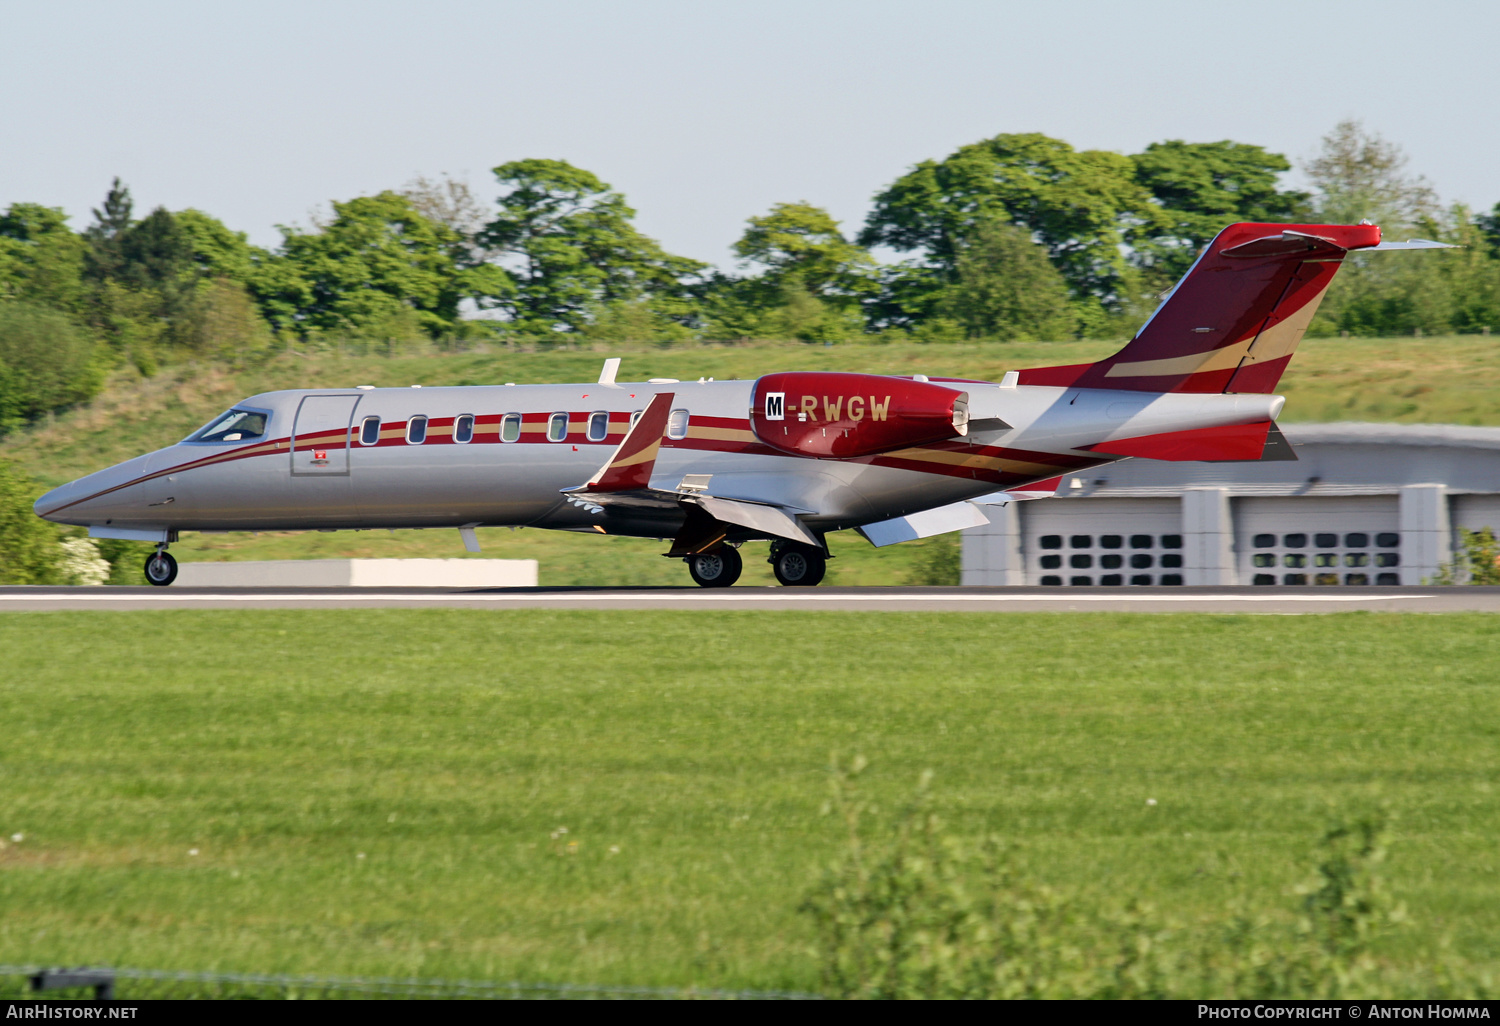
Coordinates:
450 746
1450 380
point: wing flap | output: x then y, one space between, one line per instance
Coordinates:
757 516
957 516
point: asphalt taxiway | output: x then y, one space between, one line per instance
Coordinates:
1273 600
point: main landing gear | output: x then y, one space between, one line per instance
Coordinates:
795 565
799 566
716 569
161 568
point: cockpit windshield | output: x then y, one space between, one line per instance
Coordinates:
234 426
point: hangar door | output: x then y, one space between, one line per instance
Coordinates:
320 439
1328 540
1099 541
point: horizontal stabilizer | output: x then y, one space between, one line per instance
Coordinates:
957 516
630 467
1409 244
1233 443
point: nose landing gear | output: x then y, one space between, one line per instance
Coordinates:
799 566
716 569
161 568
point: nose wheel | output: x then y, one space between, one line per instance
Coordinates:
798 566
161 568
716 569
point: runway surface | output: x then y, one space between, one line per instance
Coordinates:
1277 600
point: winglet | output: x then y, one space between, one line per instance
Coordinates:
631 465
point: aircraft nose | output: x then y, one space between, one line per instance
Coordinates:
97 496
52 502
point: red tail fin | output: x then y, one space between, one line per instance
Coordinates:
1233 321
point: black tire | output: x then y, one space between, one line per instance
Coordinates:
161 569
716 569
799 566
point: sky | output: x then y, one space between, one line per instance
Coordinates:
702 113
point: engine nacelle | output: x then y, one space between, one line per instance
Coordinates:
817 413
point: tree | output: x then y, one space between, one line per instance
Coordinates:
451 203
567 239
1489 226
378 262
1201 187
155 253
1358 175
215 250
802 243
1006 288
110 222
29 549
46 362
1083 206
811 283
221 320
41 258
1453 290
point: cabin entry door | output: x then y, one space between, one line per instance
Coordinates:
320 438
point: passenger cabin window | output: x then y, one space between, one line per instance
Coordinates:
557 428
463 429
416 431
635 416
510 428
598 427
234 426
369 431
677 424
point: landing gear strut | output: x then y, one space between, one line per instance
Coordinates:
161 568
716 569
800 566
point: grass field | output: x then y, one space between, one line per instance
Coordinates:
382 792
1453 380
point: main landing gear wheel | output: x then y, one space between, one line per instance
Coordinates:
161 569
716 569
799 566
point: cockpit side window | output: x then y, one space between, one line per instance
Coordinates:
234 426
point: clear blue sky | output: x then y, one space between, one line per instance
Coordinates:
703 112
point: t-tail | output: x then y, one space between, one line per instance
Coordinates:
1233 321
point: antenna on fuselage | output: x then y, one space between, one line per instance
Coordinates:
607 374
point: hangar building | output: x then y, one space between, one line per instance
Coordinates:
1363 504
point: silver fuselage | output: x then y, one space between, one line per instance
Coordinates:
275 482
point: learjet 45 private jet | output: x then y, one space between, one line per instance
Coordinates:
710 465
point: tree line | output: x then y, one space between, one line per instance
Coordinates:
1020 236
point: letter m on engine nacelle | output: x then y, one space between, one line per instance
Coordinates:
775 408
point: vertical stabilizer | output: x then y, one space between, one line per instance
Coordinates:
1233 321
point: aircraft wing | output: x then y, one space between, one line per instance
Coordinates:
956 516
623 483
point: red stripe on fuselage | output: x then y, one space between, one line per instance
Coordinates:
619 423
